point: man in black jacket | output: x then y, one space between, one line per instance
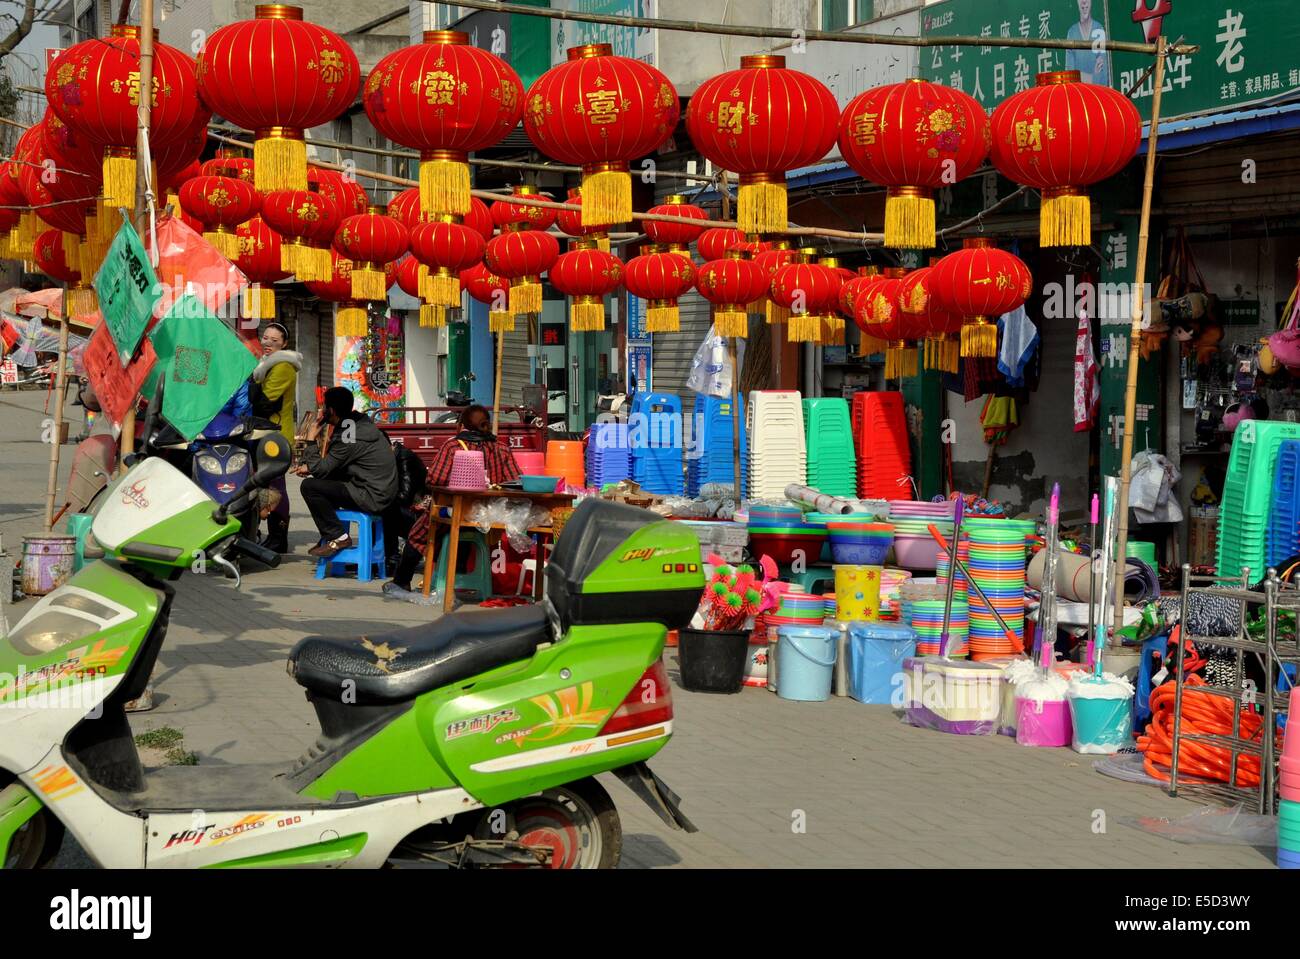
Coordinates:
359 472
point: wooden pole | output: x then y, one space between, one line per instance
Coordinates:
1135 330
60 388
496 389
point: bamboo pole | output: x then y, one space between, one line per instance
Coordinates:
496 389
56 441
1135 330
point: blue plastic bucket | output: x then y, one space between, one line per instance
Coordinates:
876 652
1101 725
806 662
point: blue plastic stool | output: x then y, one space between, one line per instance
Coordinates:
479 579
79 526
368 551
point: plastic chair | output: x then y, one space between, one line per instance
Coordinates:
365 555
479 579
814 579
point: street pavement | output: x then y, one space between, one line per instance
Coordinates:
768 782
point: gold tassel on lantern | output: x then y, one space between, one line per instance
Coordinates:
602 242
71 248
433 314
775 312
22 239
352 320
835 330
804 328
82 300
979 338
501 322
587 314
1066 218
526 295
760 203
279 160
731 319
444 182
909 218
369 282
119 177
606 194
900 360
109 222
259 302
444 288
871 345
227 244
662 316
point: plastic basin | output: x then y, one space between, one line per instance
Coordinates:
539 484
783 547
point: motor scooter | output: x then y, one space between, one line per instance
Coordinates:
471 741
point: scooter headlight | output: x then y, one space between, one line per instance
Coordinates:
236 463
210 464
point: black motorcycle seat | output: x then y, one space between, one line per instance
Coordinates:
399 665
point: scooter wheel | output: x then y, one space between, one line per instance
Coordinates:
36 842
578 823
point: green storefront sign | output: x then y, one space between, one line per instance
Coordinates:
1250 52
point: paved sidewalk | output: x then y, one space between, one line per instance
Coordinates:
768 782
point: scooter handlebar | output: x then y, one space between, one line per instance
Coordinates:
253 551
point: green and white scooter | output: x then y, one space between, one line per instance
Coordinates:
471 740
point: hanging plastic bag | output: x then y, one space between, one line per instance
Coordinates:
185 259
711 369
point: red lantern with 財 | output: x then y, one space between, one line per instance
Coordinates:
522 256
810 291
731 284
601 112
446 99
494 292
587 274
278 76
445 247
220 203
371 240
1061 137
760 121
675 237
913 137
980 282
659 278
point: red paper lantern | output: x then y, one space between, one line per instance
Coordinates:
94 87
881 313
347 195
494 292
730 284
913 137
371 240
570 222
601 112
506 214
307 223
411 276
22 239
352 317
49 256
446 99
11 200
235 167
659 278
981 283
445 247
1061 137
220 203
772 259
278 76
921 307
810 291
405 208
715 242
832 319
676 237
259 260
853 292
760 121
522 256
587 274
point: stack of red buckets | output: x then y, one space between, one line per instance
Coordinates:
881 440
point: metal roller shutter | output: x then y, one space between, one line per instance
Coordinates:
673 352
516 369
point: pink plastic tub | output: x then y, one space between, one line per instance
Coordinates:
912 551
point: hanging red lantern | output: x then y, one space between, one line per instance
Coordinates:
771 260
715 242
22 239
760 121
405 208
11 203
94 87
411 276
522 256
731 284
854 292
880 312
494 292
229 164
587 274
660 278
810 291
527 216
352 316
259 261
832 320
445 247
913 137
922 309
446 99
570 222
371 240
307 222
1061 137
220 203
675 237
278 76
601 112
48 254
981 283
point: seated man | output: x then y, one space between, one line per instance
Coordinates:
359 471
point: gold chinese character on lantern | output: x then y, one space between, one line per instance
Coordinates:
507 94
864 129
247 245
1002 281
331 66
308 212
1029 136
602 106
731 116
439 88
133 89
218 198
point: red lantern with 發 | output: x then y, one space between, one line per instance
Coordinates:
220 203
760 121
493 292
587 274
278 76
1060 137
980 282
446 99
731 284
675 237
601 112
445 247
522 256
371 241
660 278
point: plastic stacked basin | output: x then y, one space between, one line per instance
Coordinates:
880 438
778 453
860 544
832 464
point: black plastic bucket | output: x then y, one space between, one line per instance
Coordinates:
713 661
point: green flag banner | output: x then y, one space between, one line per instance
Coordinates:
203 361
128 290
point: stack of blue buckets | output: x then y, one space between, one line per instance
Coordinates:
713 459
655 433
609 458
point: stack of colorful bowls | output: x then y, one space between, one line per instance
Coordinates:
860 544
782 533
828 605
821 519
1028 526
891 580
923 605
997 564
800 609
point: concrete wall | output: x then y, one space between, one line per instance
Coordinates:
689 59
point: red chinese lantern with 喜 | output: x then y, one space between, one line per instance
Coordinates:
913 137
810 291
1061 137
659 278
601 112
259 260
587 274
492 291
307 222
446 99
980 282
675 237
220 203
760 121
371 240
278 76
731 284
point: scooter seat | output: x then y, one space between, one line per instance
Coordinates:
399 665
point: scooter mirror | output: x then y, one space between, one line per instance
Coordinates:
273 456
